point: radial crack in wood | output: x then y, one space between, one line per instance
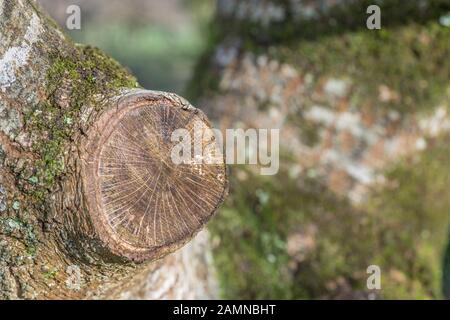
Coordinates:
142 204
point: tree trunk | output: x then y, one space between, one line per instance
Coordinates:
364 133
89 195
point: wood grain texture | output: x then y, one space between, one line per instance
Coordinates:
142 204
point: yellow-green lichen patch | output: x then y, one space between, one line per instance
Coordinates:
50 274
20 229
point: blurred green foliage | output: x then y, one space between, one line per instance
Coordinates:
161 57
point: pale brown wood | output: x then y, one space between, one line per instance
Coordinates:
142 204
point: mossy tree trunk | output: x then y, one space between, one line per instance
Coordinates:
89 196
364 124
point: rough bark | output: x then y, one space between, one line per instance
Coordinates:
88 193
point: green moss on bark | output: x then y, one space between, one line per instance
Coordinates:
403 228
77 86
411 60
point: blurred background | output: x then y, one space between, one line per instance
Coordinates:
364 119
159 41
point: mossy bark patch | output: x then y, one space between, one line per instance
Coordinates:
77 87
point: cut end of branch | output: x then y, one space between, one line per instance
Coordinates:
142 204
